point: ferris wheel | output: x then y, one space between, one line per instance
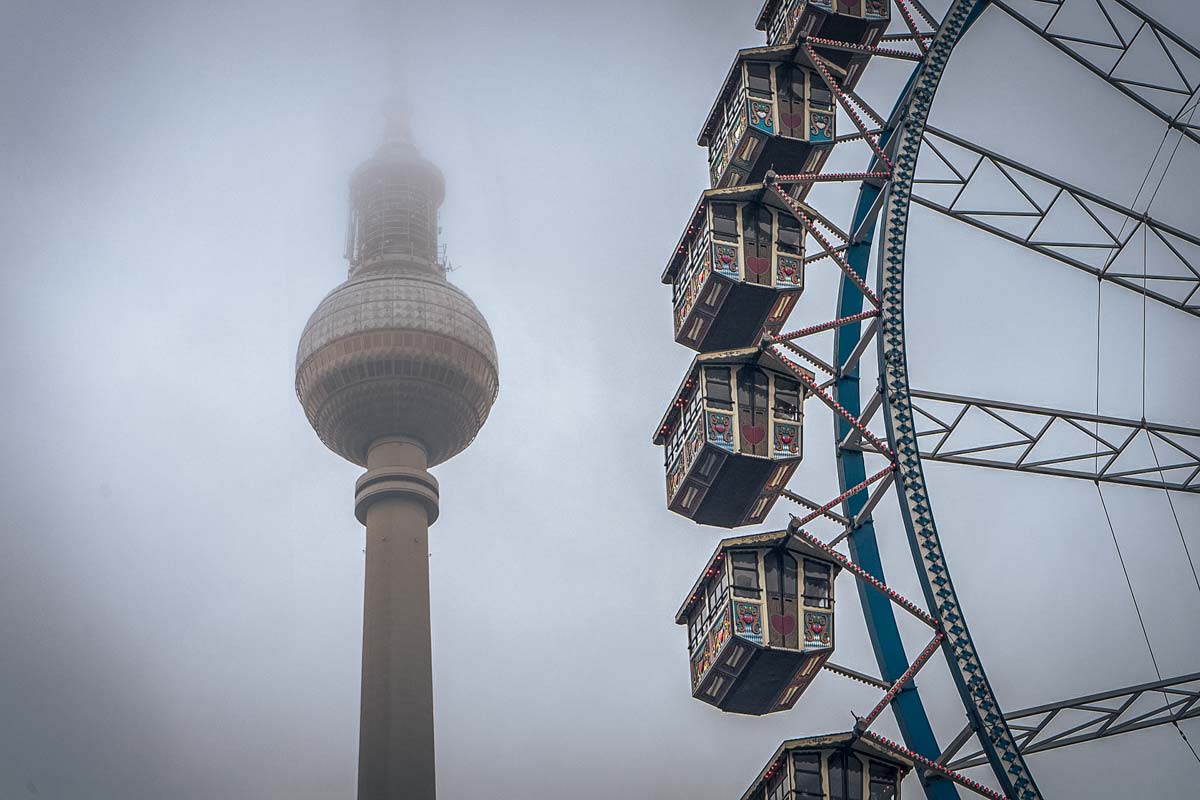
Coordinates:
760 617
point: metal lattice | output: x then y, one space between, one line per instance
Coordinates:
965 666
1085 719
1025 438
1050 216
1123 45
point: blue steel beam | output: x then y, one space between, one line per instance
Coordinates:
966 668
974 690
864 547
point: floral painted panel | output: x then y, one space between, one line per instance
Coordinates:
818 630
747 621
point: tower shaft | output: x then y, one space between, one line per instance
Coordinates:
396 371
398 500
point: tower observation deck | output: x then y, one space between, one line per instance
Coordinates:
396 371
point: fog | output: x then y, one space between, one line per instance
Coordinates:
180 567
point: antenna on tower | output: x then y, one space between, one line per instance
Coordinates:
396 115
443 261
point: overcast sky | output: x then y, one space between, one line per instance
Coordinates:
180 567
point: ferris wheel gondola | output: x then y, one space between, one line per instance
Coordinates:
763 165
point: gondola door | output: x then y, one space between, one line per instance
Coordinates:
752 411
756 243
792 119
791 598
783 607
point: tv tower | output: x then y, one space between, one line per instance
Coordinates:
397 371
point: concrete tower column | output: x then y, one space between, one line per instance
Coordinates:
397 499
396 371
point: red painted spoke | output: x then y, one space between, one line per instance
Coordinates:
854 137
925 15
866 577
853 675
905 37
812 386
800 214
841 497
824 326
847 106
810 358
821 177
908 675
817 219
801 501
841 262
864 48
814 259
933 766
864 107
912 25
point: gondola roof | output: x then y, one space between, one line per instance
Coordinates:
756 192
832 740
745 355
779 52
771 539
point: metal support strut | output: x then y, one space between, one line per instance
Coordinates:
966 668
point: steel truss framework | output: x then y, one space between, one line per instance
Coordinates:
910 426
983 710
1123 45
1085 719
1050 216
918 423
965 430
1024 438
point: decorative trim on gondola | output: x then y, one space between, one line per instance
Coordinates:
818 630
748 621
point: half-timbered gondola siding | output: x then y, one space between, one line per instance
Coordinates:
738 269
732 437
760 622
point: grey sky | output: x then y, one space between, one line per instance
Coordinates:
180 568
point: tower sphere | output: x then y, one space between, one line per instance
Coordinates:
396 350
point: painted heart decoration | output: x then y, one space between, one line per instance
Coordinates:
753 433
726 258
747 618
758 265
719 427
786 439
783 624
817 627
792 120
789 271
